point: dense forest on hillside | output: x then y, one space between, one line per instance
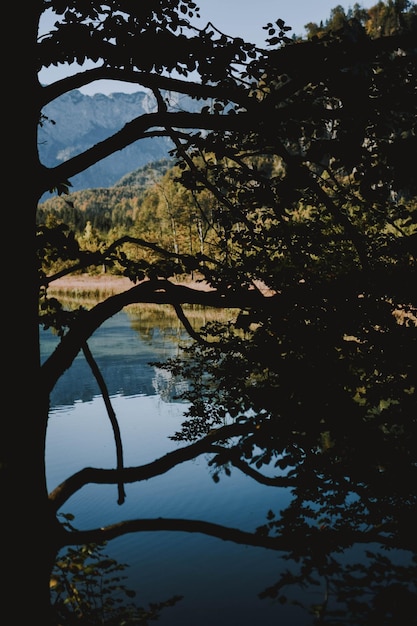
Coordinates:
106 208
151 204
380 20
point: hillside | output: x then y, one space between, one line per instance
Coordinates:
105 207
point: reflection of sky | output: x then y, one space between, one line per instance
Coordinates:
220 580
123 357
214 575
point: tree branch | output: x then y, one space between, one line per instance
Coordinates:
110 412
157 467
190 330
147 80
270 481
98 258
99 535
285 542
138 129
155 291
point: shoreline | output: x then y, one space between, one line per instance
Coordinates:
113 284
107 283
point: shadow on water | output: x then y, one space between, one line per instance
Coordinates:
322 474
331 418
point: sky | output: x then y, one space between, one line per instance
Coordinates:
238 18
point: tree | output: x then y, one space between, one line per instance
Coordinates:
380 20
133 42
334 152
325 369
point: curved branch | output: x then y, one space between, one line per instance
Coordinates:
110 412
162 251
190 330
144 472
155 291
143 79
138 129
99 535
245 468
98 258
270 481
285 57
283 542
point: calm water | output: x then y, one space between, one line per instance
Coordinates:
220 581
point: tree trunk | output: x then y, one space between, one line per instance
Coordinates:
28 530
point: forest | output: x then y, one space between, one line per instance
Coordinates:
152 204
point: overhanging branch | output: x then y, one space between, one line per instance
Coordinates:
143 79
110 412
150 291
98 258
282 542
99 535
138 129
157 467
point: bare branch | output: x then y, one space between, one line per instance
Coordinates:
99 535
259 540
110 412
144 472
155 291
138 129
190 330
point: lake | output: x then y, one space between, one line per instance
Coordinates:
220 581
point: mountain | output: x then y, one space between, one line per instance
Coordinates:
75 122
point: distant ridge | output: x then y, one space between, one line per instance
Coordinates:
146 175
101 199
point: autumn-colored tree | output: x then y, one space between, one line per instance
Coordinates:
380 20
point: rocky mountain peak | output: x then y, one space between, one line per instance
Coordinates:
75 122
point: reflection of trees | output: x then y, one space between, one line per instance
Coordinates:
319 399
328 402
328 414
148 320
88 588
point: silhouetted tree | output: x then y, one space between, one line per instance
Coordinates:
335 116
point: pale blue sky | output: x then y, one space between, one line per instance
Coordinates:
239 18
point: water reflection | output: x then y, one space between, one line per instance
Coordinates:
326 469
124 347
336 426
